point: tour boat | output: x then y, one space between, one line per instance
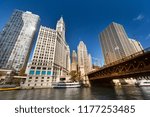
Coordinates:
66 85
143 83
8 89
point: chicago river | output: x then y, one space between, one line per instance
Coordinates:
93 93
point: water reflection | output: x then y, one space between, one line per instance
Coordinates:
146 92
128 92
93 93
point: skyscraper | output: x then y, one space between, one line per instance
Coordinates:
60 28
136 44
51 57
16 39
84 60
74 61
115 43
89 62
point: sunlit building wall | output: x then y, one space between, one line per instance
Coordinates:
16 40
115 43
136 44
74 61
90 62
51 58
84 60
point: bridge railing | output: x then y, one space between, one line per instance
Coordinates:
124 59
129 57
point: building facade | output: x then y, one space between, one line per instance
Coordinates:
90 62
84 60
115 43
136 45
51 57
16 40
74 61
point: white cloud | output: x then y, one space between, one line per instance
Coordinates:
148 36
139 17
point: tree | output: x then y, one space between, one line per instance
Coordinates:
22 72
75 76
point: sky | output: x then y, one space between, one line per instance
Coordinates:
85 19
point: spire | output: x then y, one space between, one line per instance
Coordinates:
61 19
81 42
60 27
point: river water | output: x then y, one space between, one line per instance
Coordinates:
93 93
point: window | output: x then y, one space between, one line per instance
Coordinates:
43 72
31 72
38 67
37 72
48 72
32 67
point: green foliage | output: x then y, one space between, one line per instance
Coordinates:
75 76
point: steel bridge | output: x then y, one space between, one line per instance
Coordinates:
135 66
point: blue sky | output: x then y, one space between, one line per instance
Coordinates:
85 19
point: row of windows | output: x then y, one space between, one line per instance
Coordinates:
46 40
48 44
43 52
44 43
44 64
47 37
37 51
37 84
41 57
39 68
39 48
45 58
39 72
44 31
38 80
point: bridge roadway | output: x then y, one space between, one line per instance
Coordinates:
133 66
